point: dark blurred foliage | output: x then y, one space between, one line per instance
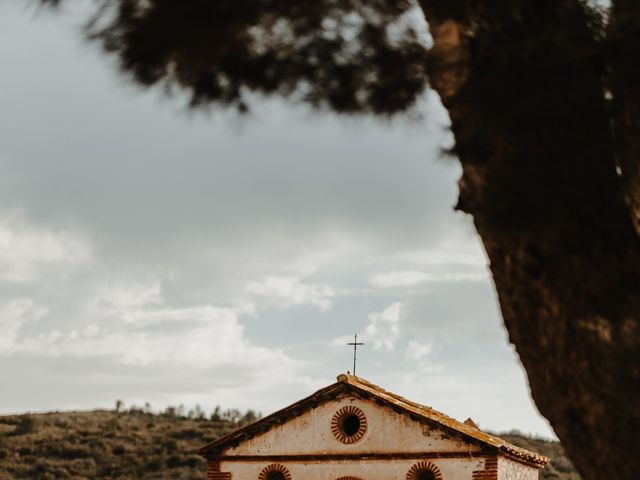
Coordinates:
345 55
350 56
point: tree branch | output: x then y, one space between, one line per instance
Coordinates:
334 54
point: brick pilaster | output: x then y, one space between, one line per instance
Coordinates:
214 473
490 471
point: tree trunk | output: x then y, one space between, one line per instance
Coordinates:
526 95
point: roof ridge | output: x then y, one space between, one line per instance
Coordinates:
387 392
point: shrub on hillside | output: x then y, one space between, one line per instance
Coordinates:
118 449
4 447
26 424
71 452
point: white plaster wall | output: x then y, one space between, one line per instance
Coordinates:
387 431
510 470
451 469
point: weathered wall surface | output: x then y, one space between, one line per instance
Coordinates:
451 469
510 470
387 432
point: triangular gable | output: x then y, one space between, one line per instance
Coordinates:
359 387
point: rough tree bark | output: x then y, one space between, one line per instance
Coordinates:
552 185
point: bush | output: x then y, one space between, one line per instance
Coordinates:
155 464
26 450
118 449
26 425
60 472
187 433
60 423
71 452
39 469
190 461
170 445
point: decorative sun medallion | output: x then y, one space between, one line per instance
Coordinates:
349 424
424 471
275 471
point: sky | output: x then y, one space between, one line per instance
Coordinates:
153 254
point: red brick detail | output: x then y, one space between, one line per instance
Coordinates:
214 473
219 476
490 471
275 467
336 421
419 467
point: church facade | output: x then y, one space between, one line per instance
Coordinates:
354 430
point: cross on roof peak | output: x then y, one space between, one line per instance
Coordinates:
355 344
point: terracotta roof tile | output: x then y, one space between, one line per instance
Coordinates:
430 414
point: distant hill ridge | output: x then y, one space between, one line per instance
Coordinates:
140 444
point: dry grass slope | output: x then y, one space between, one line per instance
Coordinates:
141 445
105 445
560 467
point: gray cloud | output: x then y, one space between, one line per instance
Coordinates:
152 255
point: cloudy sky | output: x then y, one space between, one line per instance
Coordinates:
151 254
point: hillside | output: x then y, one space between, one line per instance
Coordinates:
560 467
137 444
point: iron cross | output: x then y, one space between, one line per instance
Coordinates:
355 349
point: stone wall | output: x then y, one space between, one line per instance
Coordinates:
510 470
